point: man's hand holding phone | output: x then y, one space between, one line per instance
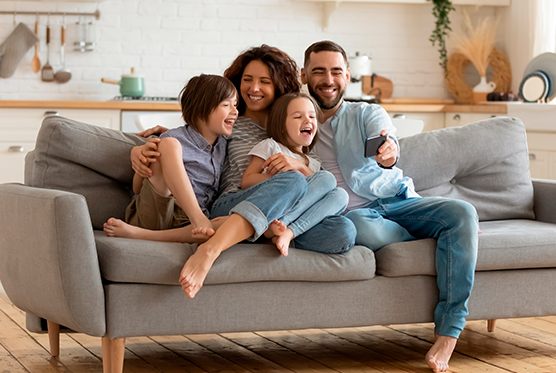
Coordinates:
382 148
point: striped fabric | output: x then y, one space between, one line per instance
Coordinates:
246 134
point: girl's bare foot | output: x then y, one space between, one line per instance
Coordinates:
282 241
202 234
118 228
195 270
275 228
440 353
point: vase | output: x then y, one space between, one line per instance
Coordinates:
481 90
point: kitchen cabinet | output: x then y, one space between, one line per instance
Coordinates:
432 121
19 129
542 154
463 118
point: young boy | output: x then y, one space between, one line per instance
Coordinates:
186 167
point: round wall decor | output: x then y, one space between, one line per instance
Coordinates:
455 82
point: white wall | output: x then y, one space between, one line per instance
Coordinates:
169 41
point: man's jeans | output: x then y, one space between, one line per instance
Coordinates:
453 223
275 197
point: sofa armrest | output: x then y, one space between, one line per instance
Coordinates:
545 200
48 258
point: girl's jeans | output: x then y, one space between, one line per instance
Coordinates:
322 199
274 198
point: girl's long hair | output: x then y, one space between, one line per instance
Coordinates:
276 125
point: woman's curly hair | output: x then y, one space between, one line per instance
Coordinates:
283 70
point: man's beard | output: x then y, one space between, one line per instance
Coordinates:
320 101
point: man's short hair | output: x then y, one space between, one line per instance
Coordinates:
323 46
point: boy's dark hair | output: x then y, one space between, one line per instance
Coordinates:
201 95
283 71
323 46
276 124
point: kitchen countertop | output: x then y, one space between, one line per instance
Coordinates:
173 106
94 105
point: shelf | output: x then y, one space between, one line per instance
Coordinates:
454 2
329 6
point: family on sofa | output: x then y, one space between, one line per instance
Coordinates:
270 185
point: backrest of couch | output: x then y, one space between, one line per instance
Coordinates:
485 163
84 159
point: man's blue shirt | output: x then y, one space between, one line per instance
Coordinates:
352 124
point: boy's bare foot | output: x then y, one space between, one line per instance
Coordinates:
282 241
202 233
275 228
440 353
195 270
118 228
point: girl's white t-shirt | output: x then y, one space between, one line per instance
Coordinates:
269 147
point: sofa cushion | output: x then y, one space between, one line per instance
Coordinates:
84 159
507 244
138 261
484 163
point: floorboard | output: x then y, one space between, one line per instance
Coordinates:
516 346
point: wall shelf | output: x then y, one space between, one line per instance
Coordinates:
329 6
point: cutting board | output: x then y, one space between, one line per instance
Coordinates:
373 83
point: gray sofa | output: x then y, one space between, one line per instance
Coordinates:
58 265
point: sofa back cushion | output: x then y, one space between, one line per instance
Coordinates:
485 163
84 159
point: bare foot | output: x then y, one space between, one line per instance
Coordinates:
282 241
275 228
202 234
118 228
440 353
195 270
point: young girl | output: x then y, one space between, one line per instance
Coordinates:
186 171
292 126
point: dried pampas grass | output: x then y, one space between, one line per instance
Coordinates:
478 43
455 80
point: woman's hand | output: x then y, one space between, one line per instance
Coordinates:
157 130
281 163
143 155
388 152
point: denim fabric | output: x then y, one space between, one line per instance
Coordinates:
455 226
333 235
264 202
274 198
322 199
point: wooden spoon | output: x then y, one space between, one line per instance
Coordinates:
36 62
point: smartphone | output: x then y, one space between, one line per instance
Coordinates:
372 144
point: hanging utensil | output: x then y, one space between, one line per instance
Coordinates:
47 73
63 75
36 62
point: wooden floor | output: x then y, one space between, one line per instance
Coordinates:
518 345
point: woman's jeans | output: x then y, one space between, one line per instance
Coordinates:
453 223
274 198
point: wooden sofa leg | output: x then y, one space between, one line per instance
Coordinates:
490 325
54 338
113 355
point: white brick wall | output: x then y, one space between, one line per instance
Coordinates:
169 41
